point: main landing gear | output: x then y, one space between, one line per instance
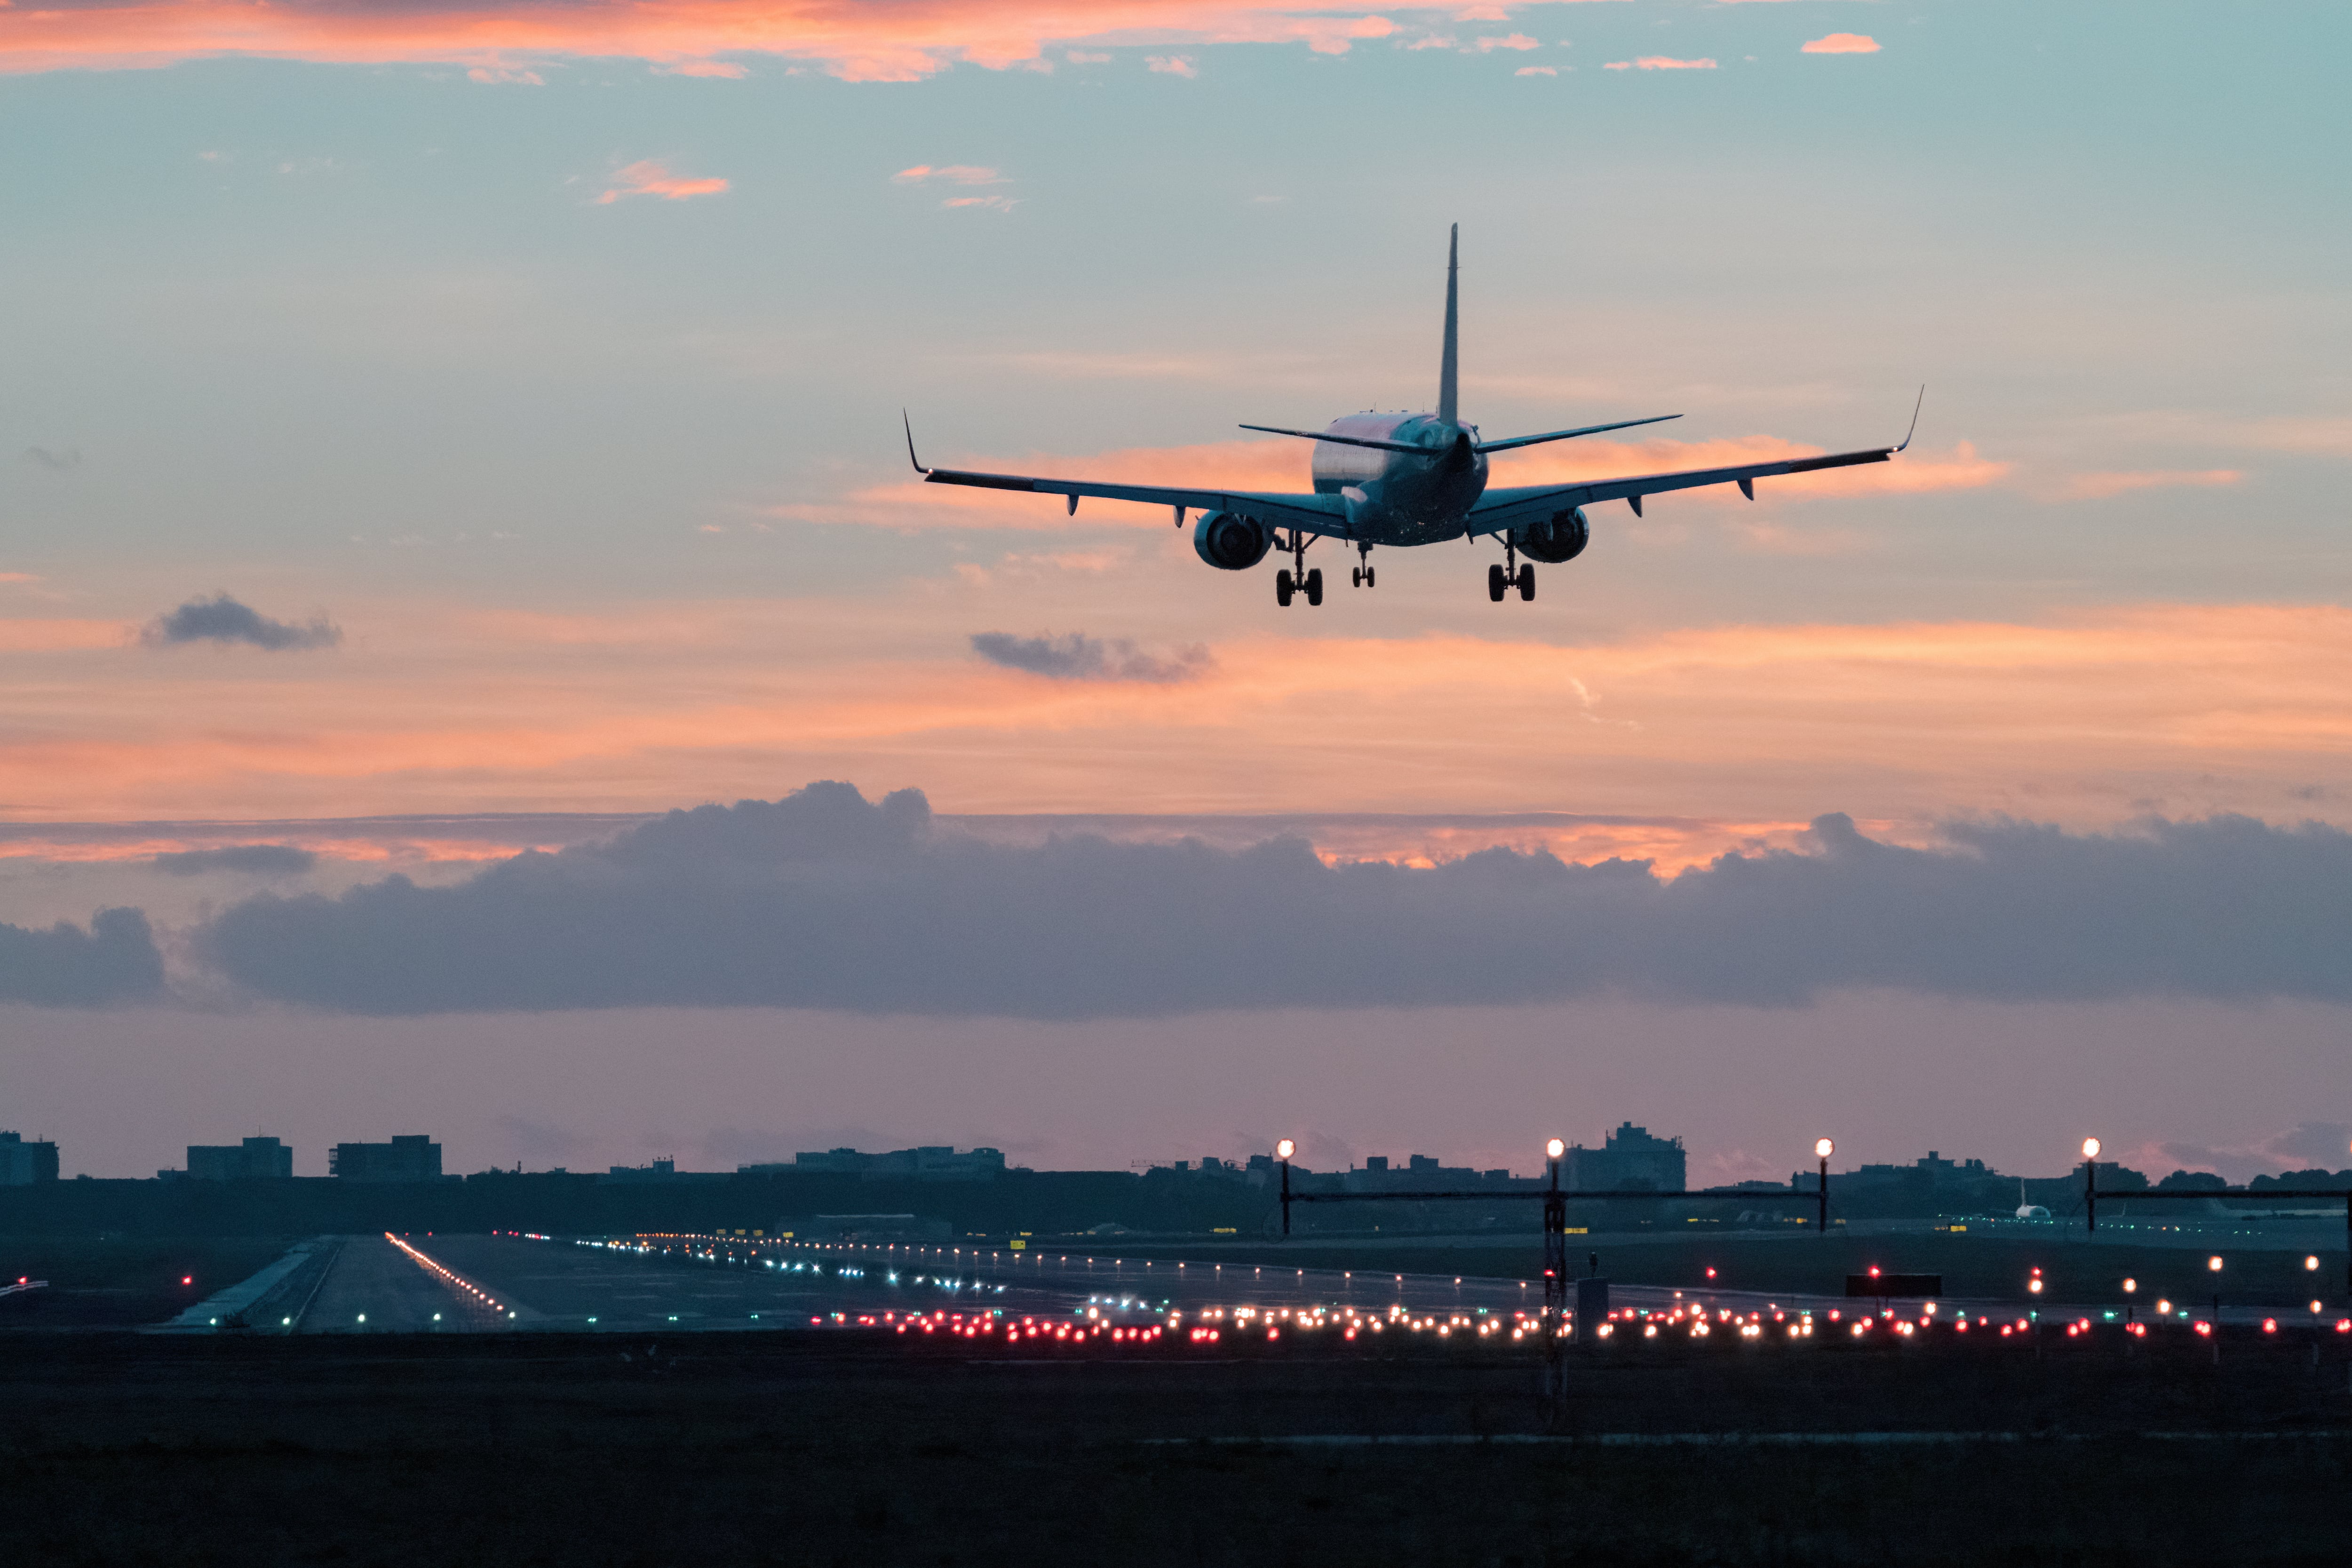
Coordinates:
1361 576
1501 579
1295 578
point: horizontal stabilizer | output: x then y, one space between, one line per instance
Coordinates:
1565 434
1343 441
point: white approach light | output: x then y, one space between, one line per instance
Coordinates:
1285 1149
1555 1148
1823 1149
2090 1148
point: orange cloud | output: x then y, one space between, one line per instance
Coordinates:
1659 63
2100 486
847 38
649 177
721 68
1282 465
1843 43
953 173
2084 719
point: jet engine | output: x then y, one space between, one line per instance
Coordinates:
1559 537
1230 541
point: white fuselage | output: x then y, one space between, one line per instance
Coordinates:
1402 498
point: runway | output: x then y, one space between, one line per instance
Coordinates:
377 1287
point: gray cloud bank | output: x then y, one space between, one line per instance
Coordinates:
824 899
260 860
221 619
1078 657
114 960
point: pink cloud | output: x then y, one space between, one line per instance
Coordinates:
1172 65
724 68
851 39
1659 63
1515 41
1537 70
504 74
989 204
1843 43
953 173
2100 486
650 177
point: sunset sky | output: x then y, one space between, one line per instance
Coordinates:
430 432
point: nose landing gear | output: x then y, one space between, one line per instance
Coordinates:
1363 574
1501 579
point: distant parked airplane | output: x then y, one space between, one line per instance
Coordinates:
2026 1207
1406 479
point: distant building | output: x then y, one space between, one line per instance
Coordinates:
664 1169
413 1157
1629 1159
23 1163
929 1163
256 1159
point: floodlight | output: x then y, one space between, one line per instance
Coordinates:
1555 1148
2090 1148
1823 1148
1285 1149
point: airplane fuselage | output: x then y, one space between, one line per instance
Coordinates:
1402 498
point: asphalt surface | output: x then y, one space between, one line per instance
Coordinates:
376 1288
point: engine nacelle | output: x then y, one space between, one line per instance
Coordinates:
1230 541
1559 537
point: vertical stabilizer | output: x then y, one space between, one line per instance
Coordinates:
1449 366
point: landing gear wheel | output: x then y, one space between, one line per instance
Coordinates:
1526 582
1315 586
1495 584
1367 577
1356 578
1283 588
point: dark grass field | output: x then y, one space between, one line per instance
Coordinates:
828 1447
122 1283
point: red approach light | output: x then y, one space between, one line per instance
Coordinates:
1710 1273
187 1279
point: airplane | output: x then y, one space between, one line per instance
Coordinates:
1403 479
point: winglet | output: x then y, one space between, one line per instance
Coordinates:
911 442
1914 416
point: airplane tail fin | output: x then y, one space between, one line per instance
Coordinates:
1449 366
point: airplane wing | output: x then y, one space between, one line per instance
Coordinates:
1502 508
1310 513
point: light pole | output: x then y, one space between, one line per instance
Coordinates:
1824 1148
1555 1268
1283 1152
2090 1183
